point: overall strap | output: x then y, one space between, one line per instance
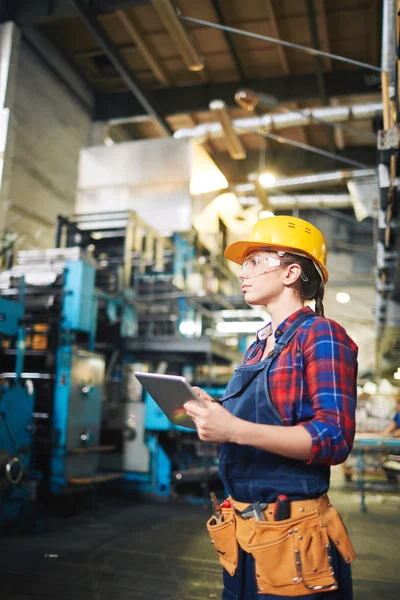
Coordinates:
289 333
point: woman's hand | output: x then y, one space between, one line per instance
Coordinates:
213 422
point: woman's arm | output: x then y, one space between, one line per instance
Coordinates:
330 362
326 436
215 424
391 428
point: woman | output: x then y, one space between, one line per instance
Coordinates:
286 416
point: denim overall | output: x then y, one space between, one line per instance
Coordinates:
250 474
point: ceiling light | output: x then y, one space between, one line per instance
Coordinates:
342 297
249 99
396 375
170 14
267 179
233 143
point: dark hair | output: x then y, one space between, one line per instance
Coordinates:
309 285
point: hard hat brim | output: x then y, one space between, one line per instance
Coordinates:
237 251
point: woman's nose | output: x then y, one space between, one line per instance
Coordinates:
242 275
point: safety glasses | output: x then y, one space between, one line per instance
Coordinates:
257 262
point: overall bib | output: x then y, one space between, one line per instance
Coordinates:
250 474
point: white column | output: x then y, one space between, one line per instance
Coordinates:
10 37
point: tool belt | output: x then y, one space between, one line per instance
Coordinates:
292 557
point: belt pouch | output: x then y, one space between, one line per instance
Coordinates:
337 532
224 539
292 557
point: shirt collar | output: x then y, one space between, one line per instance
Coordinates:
265 332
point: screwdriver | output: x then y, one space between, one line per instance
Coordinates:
282 508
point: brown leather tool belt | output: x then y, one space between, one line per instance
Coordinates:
292 557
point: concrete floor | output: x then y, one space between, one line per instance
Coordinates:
146 551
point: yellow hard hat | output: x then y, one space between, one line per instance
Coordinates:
285 233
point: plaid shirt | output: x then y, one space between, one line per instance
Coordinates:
313 383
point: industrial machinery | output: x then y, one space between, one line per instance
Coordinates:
112 298
60 318
16 414
158 272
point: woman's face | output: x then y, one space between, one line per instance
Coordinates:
261 277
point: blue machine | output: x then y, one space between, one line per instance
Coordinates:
111 288
176 456
68 375
16 418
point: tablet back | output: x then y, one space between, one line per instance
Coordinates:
170 392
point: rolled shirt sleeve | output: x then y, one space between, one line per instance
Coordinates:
330 362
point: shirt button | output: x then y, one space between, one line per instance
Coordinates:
270 353
278 332
298 353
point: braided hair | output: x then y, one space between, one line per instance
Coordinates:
309 285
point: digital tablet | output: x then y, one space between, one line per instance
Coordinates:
170 392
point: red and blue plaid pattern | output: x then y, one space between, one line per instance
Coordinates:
313 383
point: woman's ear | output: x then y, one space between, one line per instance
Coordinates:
292 274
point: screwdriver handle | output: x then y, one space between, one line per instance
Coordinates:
282 508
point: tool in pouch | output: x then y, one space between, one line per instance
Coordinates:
216 510
221 527
282 508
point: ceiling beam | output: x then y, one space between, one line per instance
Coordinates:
196 98
312 21
283 160
276 34
374 29
338 132
321 6
143 97
229 40
131 29
37 12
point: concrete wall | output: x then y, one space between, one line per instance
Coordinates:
50 128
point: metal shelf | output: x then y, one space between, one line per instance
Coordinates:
198 350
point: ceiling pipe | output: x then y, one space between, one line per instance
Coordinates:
276 121
310 181
301 201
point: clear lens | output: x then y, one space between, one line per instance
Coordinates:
257 262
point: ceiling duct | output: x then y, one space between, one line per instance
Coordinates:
301 201
275 121
315 180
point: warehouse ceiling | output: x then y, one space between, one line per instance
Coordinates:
86 32
126 70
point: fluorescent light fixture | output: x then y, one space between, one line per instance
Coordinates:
343 297
239 326
188 328
233 143
267 179
183 41
241 313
